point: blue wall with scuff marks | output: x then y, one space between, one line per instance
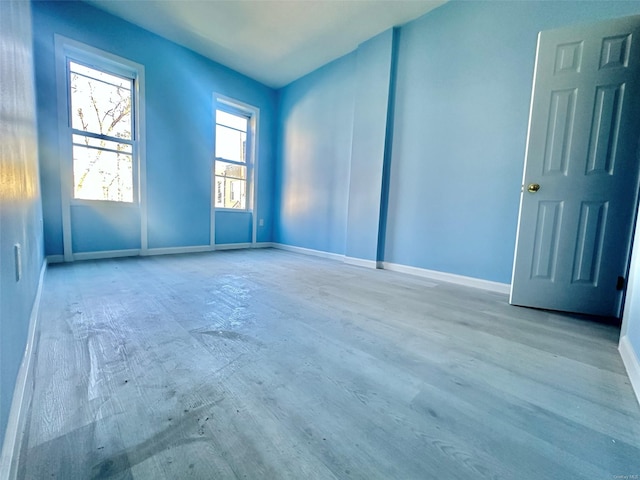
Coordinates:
179 135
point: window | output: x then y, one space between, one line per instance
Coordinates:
103 136
231 162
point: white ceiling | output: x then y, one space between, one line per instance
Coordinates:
272 41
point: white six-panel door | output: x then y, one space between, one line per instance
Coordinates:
580 182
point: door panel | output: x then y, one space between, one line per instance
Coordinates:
605 129
546 242
593 218
559 131
574 232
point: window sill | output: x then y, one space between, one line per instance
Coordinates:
102 203
238 210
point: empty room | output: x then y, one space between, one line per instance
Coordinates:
319 239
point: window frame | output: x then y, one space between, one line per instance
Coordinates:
234 108
108 66
231 105
69 50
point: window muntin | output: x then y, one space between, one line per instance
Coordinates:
102 144
231 164
103 137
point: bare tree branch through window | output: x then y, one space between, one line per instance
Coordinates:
101 120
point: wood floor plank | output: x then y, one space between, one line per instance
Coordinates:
264 364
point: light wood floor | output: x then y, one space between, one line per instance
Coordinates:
265 364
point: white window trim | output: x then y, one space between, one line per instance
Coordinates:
68 48
223 102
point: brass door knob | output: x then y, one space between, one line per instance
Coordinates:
533 187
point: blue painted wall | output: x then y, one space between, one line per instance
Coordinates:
233 227
373 83
20 211
93 229
463 93
315 125
179 131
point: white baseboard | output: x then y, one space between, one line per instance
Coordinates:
309 251
420 272
157 251
631 363
55 259
262 245
134 252
21 394
233 246
176 250
361 262
449 277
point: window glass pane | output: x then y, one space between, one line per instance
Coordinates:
100 103
230 193
96 142
230 120
230 144
102 175
225 169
